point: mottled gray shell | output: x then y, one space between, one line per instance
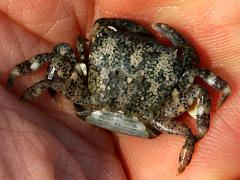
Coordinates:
131 73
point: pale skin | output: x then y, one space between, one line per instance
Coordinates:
41 141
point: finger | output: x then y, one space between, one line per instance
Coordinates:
52 20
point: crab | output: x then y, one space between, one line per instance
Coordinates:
126 81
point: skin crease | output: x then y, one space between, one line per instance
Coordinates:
42 140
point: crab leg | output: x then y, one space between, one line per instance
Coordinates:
28 66
217 83
200 111
210 78
36 89
178 104
175 127
190 57
35 62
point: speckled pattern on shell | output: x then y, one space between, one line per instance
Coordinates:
130 73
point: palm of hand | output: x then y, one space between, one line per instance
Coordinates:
43 142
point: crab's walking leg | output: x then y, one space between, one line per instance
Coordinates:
59 52
200 110
190 57
216 82
37 89
35 62
210 78
172 34
178 104
28 66
197 98
174 127
73 88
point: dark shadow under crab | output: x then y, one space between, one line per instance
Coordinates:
126 81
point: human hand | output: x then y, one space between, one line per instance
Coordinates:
45 142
